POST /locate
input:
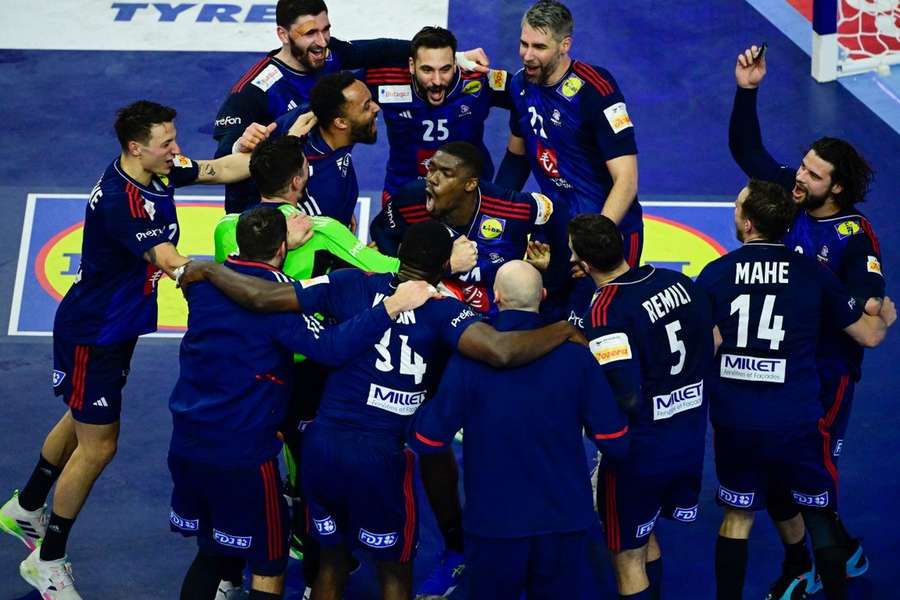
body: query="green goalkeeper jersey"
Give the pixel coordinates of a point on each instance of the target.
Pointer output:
(332, 246)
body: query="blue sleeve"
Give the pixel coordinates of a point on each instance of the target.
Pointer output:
(454, 318)
(514, 123)
(498, 82)
(436, 422)
(615, 348)
(607, 118)
(184, 171)
(514, 170)
(746, 145)
(364, 54)
(389, 225)
(603, 420)
(325, 294)
(335, 345)
(249, 105)
(553, 229)
(130, 224)
(840, 309)
(861, 268)
(286, 121)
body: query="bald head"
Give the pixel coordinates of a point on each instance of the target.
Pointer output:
(518, 286)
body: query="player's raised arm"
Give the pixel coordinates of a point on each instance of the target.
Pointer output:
(514, 169)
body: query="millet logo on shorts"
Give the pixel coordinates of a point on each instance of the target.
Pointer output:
(232, 541)
(377, 540)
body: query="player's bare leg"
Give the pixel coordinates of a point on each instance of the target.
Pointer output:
(653, 566)
(395, 579)
(268, 584)
(96, 447)
(631, 575)
(731, 553)
(61, 441)
(334, 568)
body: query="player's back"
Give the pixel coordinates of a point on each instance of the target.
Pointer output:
(661, 319)
(769, 304)
(380, 390)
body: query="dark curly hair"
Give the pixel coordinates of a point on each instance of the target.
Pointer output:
(849, 169)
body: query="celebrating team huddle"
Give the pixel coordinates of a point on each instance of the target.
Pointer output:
(522, 319)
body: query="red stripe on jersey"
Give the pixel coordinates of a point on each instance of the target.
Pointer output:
(613, 541)
(273, 512)
(598, 312)
(251, 263)
(409, 501)
(133, 200)
(867, 227)
(502, 213)
(387, 81)
(593, 77)
(253, 72)
(611, 436)
(523, 211)
(831, 415)
(826, 451)
(429, 441)
(470, 74)
(387, 70)
(76, 400)
(633, 245)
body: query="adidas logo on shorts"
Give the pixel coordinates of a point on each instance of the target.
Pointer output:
(101, 402)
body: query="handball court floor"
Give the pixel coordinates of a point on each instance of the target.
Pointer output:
(674, 61)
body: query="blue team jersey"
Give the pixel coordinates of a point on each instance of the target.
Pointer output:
(230, 416)
(770, 305)
(651, 330)
(270, 88)
(332, 189)
(416, 129)
(500, 226)
(382, 389)
(114, 296)
(847, 245)
(570, 130)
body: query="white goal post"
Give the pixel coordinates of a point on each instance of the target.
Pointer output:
(854, 36)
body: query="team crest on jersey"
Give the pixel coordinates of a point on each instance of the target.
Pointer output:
(473, 88)
(491, 227)
(556, 117)
(497, 80)
(58, 377)
(570, 86)
(846, 229)
(873, 265)
(267, 78)
(544, 208)
(617, 117)
(464, 110)
(150, 208)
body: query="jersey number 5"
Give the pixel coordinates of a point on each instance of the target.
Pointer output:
(676, 345)
(411, 363)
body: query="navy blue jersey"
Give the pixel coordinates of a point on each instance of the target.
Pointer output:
(114, 296)
(270, 88)
(847, 245)
(846, 242)
(770, 304)
(651, 330)
(382, 388)
(416, 129)
(570, 130)
(231, 415)
(332, 189)
(523, 436)
(500, 226)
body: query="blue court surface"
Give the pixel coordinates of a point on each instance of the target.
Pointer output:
(72, 64)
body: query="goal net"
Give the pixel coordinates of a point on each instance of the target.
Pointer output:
(853, 36)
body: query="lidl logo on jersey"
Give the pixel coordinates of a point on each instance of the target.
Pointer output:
(610, 348)
(751, 368)
(676, 401)
(491, 227)
(570, 86)
(398, 402)
(472, 88)
(233, 541)
(846, 229)
(377, 540)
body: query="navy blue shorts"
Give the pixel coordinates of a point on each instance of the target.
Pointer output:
(837, 398)
(630, 503)
(359, 492)
(90, 378)
(232, 511)
(751, 463)
(543, 566)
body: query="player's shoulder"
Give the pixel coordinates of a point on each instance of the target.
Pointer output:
(586, 78)
(501, 202)
(260, 77)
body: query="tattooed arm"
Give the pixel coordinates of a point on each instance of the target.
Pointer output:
(228, 169)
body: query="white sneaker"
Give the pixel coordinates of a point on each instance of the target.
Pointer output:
(27, 525)
(228, 591)
(52, 578)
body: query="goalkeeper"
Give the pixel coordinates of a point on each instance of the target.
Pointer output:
(317, 245)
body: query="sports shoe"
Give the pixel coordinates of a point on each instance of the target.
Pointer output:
(794, 586)
(441, 582)
(228, 591)
(27, 525)
(52, 578)
(858, 563)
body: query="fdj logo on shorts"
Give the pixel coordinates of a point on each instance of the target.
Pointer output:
(647, 528)
(686, 515)
(817, 501)
(736, 499)
(182, 523)
(325, 526)
(377, 540)
(232, 541)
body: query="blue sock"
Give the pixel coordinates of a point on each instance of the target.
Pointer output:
(654, 574)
